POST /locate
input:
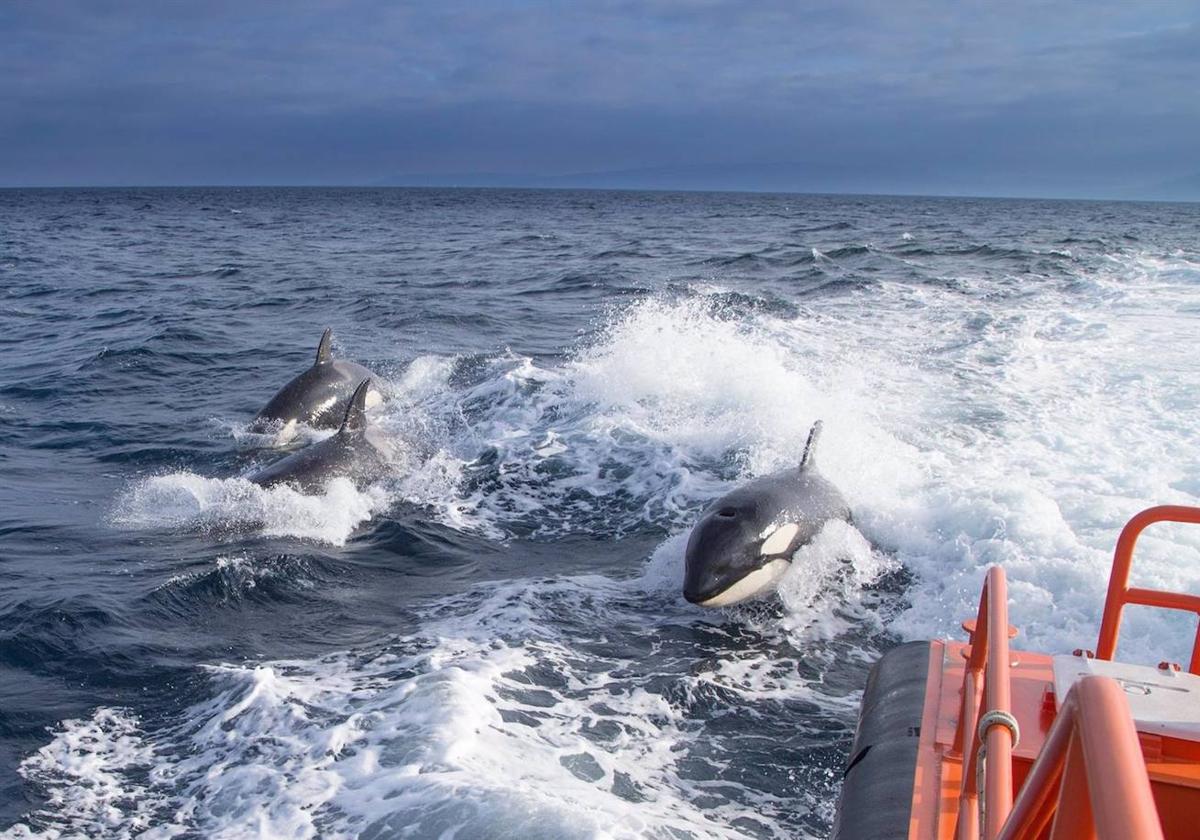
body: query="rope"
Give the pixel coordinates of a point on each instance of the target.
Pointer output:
(998, 718)
(995, 717)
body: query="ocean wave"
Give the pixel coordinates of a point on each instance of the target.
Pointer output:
(232, 506)
(236, 579)
(516, 693)
(1007, 384)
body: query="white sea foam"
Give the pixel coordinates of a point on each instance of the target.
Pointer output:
(93, 772)
(1023, 433)
(964, 432)
(186, 500)
(1022, 428)
(646, 425)
(822, 590)
(552, 731)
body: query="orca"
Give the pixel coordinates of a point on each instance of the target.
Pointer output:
(358, 452)
(317, 397)
(744, 541)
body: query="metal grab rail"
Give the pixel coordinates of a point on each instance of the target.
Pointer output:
(987, 673)
(1120, 594)
(1093, 756)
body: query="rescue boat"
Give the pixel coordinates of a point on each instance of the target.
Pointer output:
(973, 739)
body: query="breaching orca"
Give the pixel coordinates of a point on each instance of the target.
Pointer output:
(318, 396)
(357, 452)
(744, 541)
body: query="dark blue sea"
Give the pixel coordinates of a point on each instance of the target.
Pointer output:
(492, 642)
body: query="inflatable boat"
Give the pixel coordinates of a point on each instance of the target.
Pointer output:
(973, 739)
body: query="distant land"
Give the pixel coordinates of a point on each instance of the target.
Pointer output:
(798, 178)
(815, 179)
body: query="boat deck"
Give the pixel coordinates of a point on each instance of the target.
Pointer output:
(1172, 763)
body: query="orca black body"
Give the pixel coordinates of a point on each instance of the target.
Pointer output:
(317, 397)
(357, 452)
(744, 541)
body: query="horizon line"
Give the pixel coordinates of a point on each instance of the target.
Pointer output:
(593, 188)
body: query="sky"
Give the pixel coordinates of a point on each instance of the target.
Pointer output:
(1072, 98)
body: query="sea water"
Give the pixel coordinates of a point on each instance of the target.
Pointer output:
(491, 642)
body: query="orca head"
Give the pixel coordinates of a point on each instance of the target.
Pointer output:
(724, 561)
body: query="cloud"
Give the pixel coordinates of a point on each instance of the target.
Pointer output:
(351, 91)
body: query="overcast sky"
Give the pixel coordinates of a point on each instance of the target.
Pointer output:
(962, 96)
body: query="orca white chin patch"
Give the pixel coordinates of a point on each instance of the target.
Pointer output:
(755, 583)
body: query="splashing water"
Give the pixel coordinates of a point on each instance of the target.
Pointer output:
(491, 641)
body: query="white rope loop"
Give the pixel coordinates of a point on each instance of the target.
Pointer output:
(986, 722)
(999, 718)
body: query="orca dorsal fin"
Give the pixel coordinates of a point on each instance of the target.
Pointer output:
(356, 411)
(809, 458)
(324, 349)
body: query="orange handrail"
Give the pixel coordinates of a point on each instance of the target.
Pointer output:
(1120, 594)
(987, 672)
(1093, 756)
